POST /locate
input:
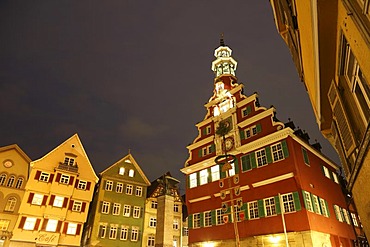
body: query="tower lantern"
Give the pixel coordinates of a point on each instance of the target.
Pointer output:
(224, 63)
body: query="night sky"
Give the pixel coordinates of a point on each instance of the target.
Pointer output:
(135, 75)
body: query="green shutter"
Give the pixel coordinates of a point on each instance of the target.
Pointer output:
(236, 165)
(188, 180)
(198, 179)
(315, 209)
(304, 199)
(277, 204)
(213, 217)
(190, 221)
(213, 148)
(297, 203)
(336, 213)
(268, 154)
(204, 132)
(285, 149)
(209, 176)
(200, 152)
(327, 208)
(242, 135)
(249, 110)
(246, 215)
(246, 163)
(222, 174)
(261, 209)
(259, 128)
(201, 219)
(305, 156)
(253, 160)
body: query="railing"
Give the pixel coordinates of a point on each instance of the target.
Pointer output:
(65, 167)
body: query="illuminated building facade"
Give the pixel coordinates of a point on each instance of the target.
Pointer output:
(277, 188)
(14, 171)
(116, 217)
(330, 45)
(57, 198)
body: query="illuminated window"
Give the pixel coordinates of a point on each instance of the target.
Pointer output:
(29, 224)
(10, 181)
(126, 210)
(154, 204)
(119, 187)
(139, 191)
(253, 210)
(72, 229)
(307, 198)
(4, 224)
(113, 232)
(81, 185)
(124, 233)
(196, 220)
(77, 206)
(326, 172)
(116, 208)
(64, 179)
(134, 234)
(109, 185)
(338, 213)
(10, 204)
(37, 199)
(2, 178)
(354, 219)
(207, 218)
(288, 202)
(175, 225)
(151, 241)
(51, 226)
(105, 207)
(19, 183)
(102, 231)
(335, 177)
(121, 171)
(270, 207)
(219, 220)
(346, 216)
(203, 177)
(131, 173)
(193, 180)
(44, 177)
(261, 157)
(152, 222)
(215, 173)
(129, 189)
(277, 152)
(136, 212)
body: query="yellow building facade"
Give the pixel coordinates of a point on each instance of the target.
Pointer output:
(14, 171)
(330, 45)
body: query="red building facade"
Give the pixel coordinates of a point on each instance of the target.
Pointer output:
(279, 189)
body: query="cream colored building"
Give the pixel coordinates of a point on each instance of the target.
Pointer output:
(330, 46)
(14, 171)
(57, 198)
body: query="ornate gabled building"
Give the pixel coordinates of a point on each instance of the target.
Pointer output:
(116, 217)
(255, 181)
(330, 45)
(57, 198)
(163, 224)
(14, 172)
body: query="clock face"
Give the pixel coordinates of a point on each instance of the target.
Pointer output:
(228, 144)
(8, 164)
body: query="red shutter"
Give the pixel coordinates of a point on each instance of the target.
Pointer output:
(70, 204)
(43, 227)
(21, 223)
(65, 203)
(78, 231)
(51, 202)
(58, 177)
(37, 224)
(83, 207)
(65, 227)
(59, 226)
(76, 184)
(30, 197)
(71, 180)
(44, 200)
(51, 178)
(88, 185)
(37, 176)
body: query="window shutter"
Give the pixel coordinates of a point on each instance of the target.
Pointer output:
(65, 227)
(222, 174)
(37, 176)
(297, 203)
(65, 202)
(88, 185)
(70, 204)
(190, 221)
(76, 184)
(78, 230)
(59, 226)
(43, 227)
(51, 178)
(268, 154)
(236, 165)
(259, 128)
(188, 180)
(37, 225)
(200, 153)
(245, 209)
(58, 177)
(201, 219)
(198, 179)
(44, 199)
(203, 132)
(277, 204)
(51, 201)
(242, 135)
(305, 156)
(30, 197)
(315, 209)
(213, 148)
(209, 176)
(253, 160)
(213, 217)
(261, 209)
(22, 221)
(304, 199)
(249, 109)
(71, 180)
(285, 149)
(327, 208)
(83, 207)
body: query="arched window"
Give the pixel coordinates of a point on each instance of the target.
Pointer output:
(19, 183)
(121, 171)
(131, 173)
(2, 179)
(10, 204)
(10, 181)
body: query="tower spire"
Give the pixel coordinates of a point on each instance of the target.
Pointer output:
(222, 42)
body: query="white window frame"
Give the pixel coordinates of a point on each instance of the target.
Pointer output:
(72, 228)
(105, 207)
(219, 219)
(4, 224)
(119, 187)
(277, 152)
(136, 212)
(139, 191)
(203, 177)
(44, 177)
(323, 208)
(193, 180)
(315, 201)
(207, 219)
(153, 222)
(151, 241)
(121, 171)
(126, 210)
(116, 209)
(51, 226)
(154, 204)
(196, 220)
(64, 179)
(253, 210)
(30, 223)
(102, 230)
(288, 203)
(82, 185)
(124, 233)
(326, 172)
(77, 206)
(58, 201)
(215, 173)
(129, 189)
(176, 208)
(10, 204)
(354, 219)
(335, 177)
(307, 198)
(261, 157)
(270, 206)
(108, 185)
(134, 234)
(113, 232)
(175, 225)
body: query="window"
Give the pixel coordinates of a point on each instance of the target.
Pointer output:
(124, 233)
(215, 173)
(207, 150)
(19, 183)
(152, 222)
(193, 180)
(51, 226)
(232, 170)
(254, 130)
(246, 162)
(176, 224)
(247, 133)
(207, 218)
(288, 202)
(64, 179)
(277, 152)
(354, 220)
(246, 111)
(307, 198)
(219, 220)
(196, 220)
(10, 204)
(136, 212)
(77, 205)
(72, 229)
(119, 187)
(102, 231)
(37, 199)
(81, 185)
(69, 161)
(154, 204)
(270, 207)
(335, 177)
(113, 232)
(29, 224)
(305, 156)
(346, 216)
(131, 173)
(105, 207)
(129, 189)
(261, 157)
(176, 208)
(253, 210)
(121, 171)
(208, 130)
(338, 213)
(10, 181)
(139, 191)
(4, 224)
(326, 172)
(116, 209)
(237, 211)
(185, 231)
(151, 241)
(109, 185)
(44, 177)
(203, 177)
(134, 234)
(2, 179)
(323, 207)
(316, 204)
(126, 210)
(58, 201)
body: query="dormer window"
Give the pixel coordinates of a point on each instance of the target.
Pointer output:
(69, 161)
